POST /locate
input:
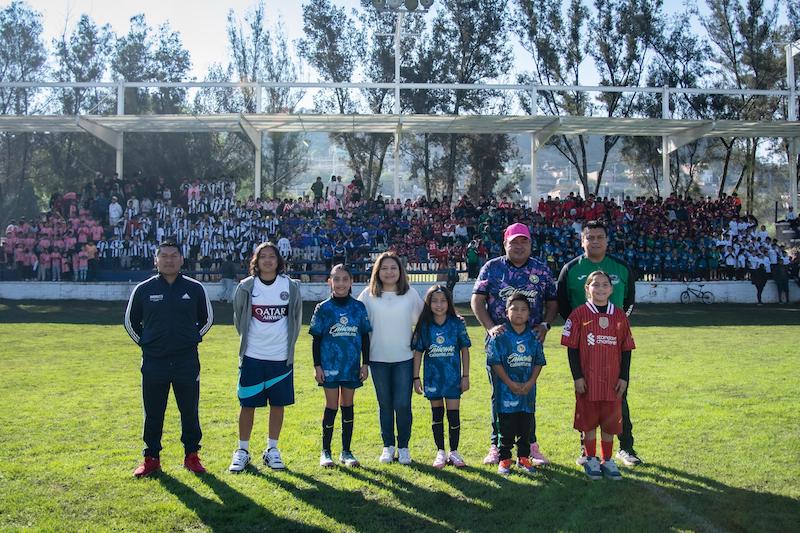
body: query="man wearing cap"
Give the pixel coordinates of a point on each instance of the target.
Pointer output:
(498, 279)
(571, 294)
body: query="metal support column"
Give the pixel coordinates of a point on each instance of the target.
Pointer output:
(120, 149)
(666, 187)
(397, 60)
(534, 152)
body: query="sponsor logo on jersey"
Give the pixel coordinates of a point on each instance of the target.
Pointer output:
(269, 313)
(510, 403)
(608, 340)
(430, 390)
(507, 291)
(515, 360)
(439, 350)
(583, 277)
(186, 296)
(567, 331)
(331, 373)
(341, 329)
(156, 297)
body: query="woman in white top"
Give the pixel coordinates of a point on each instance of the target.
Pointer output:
(393, 308)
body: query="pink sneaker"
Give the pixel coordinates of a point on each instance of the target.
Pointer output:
(441, 460)
(456, 460)
(493, 457)
(536, 456)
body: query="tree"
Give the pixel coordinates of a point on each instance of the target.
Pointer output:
(335, 45)
(618, 36)
(22, 58)
(82, 56)
(743, 37)
(259, 54)
(472, 38)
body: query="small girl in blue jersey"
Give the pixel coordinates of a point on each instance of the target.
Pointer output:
(340, 328)
(441, 337)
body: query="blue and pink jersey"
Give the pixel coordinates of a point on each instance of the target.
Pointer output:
(499, 279)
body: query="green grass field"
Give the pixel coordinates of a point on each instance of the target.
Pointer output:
(713, 395)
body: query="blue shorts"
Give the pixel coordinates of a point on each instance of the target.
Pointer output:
(262, 382)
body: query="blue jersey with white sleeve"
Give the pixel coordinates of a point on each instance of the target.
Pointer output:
(441, 348)
(341, 328)
(518, 353)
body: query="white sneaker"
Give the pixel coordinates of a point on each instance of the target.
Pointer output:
(456, 460)
(240, 460)
(272, 458)
(387, 455)
(441, 459)
(325, 459)
(404, 456)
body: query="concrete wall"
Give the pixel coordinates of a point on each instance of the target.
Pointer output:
(646, 292)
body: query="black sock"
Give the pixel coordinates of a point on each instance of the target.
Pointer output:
(327, 428)
(347, 427)
(438, 427)
(454, 421)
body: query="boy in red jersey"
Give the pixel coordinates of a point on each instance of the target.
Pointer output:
(599, 342)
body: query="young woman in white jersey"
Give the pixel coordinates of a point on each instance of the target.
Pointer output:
(267, 312)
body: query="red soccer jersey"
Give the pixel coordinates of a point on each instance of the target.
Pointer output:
(601, 338)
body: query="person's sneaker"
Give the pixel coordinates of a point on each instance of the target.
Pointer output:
(441, 459)
(387, 455)
(456, 460)
(241, 458)
(404, 456)
(581, 460)
(325, 459)
(348, 459)
(526, 465)
(272, 458)
(493, 457)
(629, 457)
(537, 457)
(610, 470)
(192, 463)
(504, 466)
(592, 468)
(149, 466)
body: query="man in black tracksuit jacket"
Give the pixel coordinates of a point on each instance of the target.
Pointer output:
(167, 316)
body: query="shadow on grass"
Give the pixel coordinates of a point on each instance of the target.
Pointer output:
(702, 498)
(237, 512)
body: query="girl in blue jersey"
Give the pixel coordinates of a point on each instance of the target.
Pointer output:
(441, 337)
(340, 328)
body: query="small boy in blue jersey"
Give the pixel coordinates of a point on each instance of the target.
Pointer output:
(516, 359)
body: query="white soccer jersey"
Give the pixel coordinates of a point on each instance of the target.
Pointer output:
(268, 335)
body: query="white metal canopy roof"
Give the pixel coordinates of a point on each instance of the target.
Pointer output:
(474, 124)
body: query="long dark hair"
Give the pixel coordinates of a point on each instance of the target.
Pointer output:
(426, 316)
(254, 271)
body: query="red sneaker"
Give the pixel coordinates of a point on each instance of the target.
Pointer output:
(192, 463)
(148, 466)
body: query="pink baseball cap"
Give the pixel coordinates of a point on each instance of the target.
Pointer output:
(516, 230)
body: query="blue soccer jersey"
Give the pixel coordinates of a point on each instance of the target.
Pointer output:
(441, 348)
(341, 328)
(518, 354)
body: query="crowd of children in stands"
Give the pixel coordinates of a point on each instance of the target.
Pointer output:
(115, 224)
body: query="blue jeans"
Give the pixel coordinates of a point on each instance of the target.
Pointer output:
(393, 383)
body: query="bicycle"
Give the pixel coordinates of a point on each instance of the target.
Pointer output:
(706, 297)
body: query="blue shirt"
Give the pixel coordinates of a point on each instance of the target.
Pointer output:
(341, 328)
(518, 353)
(441, 348)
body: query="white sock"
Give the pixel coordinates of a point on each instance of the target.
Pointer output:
(244, 445)
(272, 443)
